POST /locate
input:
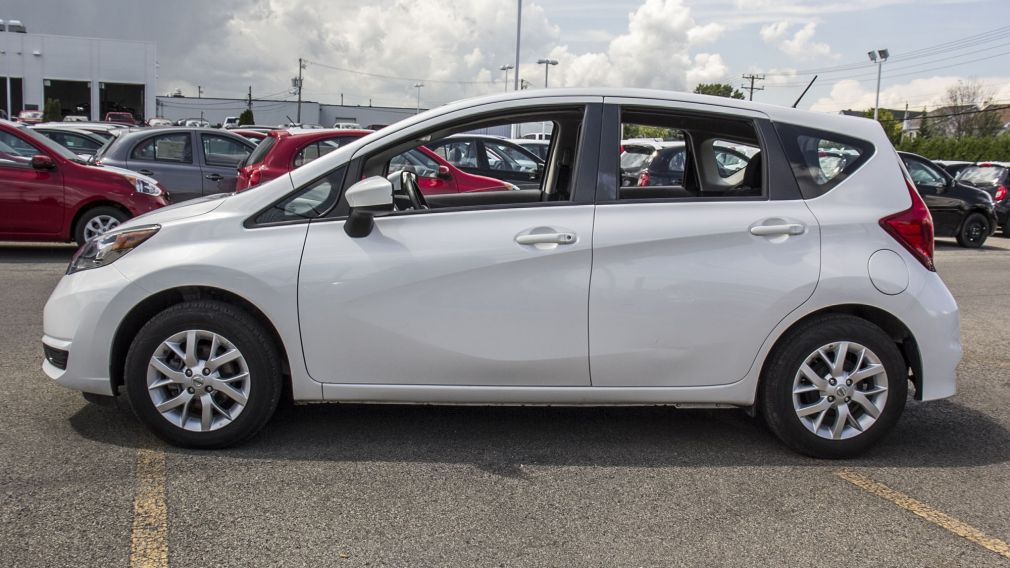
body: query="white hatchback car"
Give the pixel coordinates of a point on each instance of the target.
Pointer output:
(801, 290)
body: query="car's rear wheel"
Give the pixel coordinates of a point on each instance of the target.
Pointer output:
(974, 231)
(834, 386)
(203, 374)
(1006, 229)
(97, 221)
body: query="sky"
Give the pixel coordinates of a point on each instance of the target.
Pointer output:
(378, 50)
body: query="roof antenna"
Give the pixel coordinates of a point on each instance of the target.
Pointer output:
(810, 84)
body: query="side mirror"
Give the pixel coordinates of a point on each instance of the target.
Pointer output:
(367, 198)
(443, 173)
(43, 162)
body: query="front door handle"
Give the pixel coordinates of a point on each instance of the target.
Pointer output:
(214, 177)
(145, 172)
(776, 230)
(546, 239)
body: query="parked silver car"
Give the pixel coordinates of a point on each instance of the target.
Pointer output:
(167, 155)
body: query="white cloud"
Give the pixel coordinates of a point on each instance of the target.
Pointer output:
(918, 93)
(800, 45)
(705, 34)
(707, 68)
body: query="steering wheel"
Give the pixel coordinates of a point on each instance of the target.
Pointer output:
(408, 182)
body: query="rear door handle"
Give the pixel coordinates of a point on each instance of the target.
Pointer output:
(145, 172)
(214, 177)
(776, 230)
(546, 239)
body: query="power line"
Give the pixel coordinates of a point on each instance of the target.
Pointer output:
(752, 77)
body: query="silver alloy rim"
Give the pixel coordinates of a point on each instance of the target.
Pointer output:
(198, 380)
(840, 390)
(99, 225)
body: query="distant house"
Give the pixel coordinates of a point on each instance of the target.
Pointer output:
(910, 119)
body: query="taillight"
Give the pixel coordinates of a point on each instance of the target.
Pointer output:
(254, 176)
(1000, 193)
(643, 178)
(913, 228)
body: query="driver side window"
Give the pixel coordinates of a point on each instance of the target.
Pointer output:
(924, 175)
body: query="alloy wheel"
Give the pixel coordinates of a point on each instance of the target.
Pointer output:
(840, 390)
(98, 225)
(198, 380)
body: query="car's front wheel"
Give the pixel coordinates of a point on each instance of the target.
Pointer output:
(97, 221)
(203, 374)
(974, 231)
(834, 386)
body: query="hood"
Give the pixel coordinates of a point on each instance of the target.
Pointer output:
(191, 208)
(127, 173)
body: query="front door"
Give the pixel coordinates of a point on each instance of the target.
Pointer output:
(31, 201)
(449, 299)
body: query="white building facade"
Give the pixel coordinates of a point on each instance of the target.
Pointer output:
(88, 76)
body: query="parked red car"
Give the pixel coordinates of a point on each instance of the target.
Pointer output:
(47, 193)
(282, 151)
(121, 117)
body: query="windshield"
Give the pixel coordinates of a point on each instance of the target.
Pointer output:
(51, 145)
(981, 175)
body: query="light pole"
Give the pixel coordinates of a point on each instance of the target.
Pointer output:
(878, 56)
(547, 67)
(506, 68)
(418, 86)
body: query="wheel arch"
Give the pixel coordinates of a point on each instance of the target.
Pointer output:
(141, 313)
(889, 323)
(71, 228)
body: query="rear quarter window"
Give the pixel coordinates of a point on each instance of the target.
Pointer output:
(821, 160)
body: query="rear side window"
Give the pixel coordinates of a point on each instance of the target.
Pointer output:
(166, 148)
(319, 149)
(261, 151)
(821, 160)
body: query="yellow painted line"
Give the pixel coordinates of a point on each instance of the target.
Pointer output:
(149, 540)
(923, 510)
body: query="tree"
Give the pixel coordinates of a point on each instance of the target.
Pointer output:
(53, 111)
(718, 90)
(891, 125)
(926, 125)
(246, 117)
(642, 131)
(965, 104)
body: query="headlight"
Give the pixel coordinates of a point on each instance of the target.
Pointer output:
(105, 249)
(145, 187)
(511, 186)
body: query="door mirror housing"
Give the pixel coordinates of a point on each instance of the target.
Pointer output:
(443, 173)
(367, 198)
(43, 162)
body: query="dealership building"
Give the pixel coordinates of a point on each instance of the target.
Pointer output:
(88, 76)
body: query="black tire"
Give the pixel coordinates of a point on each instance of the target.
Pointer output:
(245, 333)
(94, 213)
(1006, 229)
(974, 230)
(783, 365)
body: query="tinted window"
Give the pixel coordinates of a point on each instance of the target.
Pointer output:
(74, 142)
(460, 153)
(261, 150)
(311, 202)
(981, 175)
(923, 174)
(15, 151)
(167, 148)
(223, 151)
(414, 161)
(516, 158)
(821, 160)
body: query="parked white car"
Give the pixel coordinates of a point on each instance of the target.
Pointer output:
(805, 295)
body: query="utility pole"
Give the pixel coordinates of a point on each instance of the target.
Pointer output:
(752, 77)
(248, 103)
(878, 56)
(547, 67)
(417, 86)
(519, 28)
(301, 65)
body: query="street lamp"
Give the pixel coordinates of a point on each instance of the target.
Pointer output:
(506, 69)
(418, 86)
(878, 56)
(547, 67)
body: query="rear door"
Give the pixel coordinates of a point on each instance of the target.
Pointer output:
(945, 208)
(168, 158)
(688, 280)
(220, 157)
(31, 201)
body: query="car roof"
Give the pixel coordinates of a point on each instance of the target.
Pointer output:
(302, 134)
(522, 141)
(80, 131)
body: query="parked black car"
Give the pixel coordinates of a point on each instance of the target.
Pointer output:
(493, 157)
(953, 167)
(994, 179)
(189, 162)
(959, 210)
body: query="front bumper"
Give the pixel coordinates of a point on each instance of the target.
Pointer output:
(81, 318)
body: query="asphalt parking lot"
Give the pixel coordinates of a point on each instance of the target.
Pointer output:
(328, 485)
